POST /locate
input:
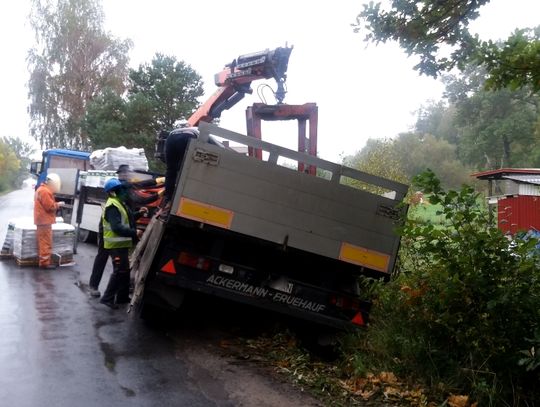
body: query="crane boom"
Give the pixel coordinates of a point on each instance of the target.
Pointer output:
(234, 81)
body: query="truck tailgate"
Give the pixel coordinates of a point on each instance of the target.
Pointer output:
(223, 188)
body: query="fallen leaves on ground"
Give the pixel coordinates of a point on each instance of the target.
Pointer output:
(387, 385)
(460, 401)
(329, 380)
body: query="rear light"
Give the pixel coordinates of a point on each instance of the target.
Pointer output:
(345, 303)
(191, 260)
(349, 304)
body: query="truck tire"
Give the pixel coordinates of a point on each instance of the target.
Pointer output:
(157, 310)
(322, 342)
(149, 312)
(87, 236)
(156, 316)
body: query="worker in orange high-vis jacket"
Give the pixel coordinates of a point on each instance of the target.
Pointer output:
(45, 208)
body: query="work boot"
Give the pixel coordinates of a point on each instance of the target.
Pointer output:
(94, 292)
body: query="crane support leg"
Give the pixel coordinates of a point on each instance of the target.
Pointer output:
(302, 113)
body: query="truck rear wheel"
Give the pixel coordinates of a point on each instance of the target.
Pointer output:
(162, 308)
(149, 312)
(322, 342)
(87, 236)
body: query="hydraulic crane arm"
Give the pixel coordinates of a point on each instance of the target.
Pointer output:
(235, 81)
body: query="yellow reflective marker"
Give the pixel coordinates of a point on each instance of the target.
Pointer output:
(205, 213)
(364, 257)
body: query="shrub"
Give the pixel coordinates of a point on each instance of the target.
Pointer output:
(463, 315)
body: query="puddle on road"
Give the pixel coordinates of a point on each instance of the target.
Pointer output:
(109, 356)
(53, 329)
(128, 392)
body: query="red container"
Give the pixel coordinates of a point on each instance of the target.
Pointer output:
(518, 213)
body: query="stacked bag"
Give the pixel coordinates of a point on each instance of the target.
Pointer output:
(111, 158)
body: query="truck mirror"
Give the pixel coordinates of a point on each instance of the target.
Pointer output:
(35, 168)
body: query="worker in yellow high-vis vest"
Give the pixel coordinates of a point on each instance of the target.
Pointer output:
(119, 236)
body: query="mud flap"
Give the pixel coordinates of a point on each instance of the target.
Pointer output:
(142, 257)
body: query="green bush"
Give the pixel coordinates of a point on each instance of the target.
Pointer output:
(463, 315)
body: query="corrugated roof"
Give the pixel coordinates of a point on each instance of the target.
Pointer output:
(526, 179)
(501, 172)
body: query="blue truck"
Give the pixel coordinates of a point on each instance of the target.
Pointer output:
(67, 164)
(83, 198)
(59, 159)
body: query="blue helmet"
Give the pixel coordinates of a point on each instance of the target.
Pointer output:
(112, 184)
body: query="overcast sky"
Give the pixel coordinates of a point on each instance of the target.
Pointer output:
(362, 90)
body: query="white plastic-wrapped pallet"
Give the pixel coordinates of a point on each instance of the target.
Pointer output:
(7, 247)
(25, 242)
(96, 178)
(111, 158)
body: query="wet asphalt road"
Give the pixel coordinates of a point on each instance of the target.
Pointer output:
(58, 347)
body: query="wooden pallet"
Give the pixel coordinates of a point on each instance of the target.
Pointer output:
(5, 256)
(6, 252)
(34, 262)
(26, 262)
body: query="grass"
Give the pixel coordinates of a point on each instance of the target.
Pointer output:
(427, 212)
(335, 383)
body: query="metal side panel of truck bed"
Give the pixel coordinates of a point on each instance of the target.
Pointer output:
(258, 198)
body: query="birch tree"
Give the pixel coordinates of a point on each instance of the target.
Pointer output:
(72, 61)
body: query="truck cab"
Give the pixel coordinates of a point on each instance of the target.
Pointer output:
(67, 164)
(59, 158)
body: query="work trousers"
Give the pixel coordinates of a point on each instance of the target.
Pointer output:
(100, 261)
(44, 243)
(118, 288)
